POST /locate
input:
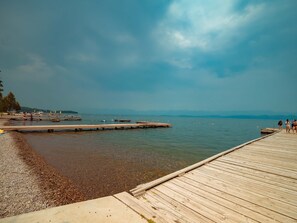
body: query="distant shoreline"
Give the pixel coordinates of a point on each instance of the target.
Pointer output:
(55, 189)
(28, 109)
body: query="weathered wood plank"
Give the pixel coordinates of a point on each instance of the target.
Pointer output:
(231, 205)
(278, 193)
(291, 155)
(164, 209)
(246, 194)
(277, 145)
(249, 204)
(261, 166)
(229, 214)
(285, 182)
(267, 160)
(268, 149)
(195, 205)
(140, 208)
(178, 207)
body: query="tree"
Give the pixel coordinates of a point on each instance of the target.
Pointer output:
(1, 89)
(1, 97)
(17, 107)
(9, 103)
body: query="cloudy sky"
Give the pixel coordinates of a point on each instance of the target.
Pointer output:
(214, 55)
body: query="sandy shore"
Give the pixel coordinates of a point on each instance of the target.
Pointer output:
(27, 182)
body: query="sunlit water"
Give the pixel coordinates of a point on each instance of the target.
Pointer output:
(101, 163)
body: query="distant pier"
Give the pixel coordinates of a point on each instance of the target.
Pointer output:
(76, 128)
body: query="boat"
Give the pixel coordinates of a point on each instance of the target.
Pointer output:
(55, 120)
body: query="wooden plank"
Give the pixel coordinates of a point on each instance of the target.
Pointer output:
(276, 144)
(230, 215)
(178, 207)
(270, 190)
(264, 151)
(288, 141)
(232, 205)
(252, 168)
(267, 150)
(193, 204)
(291, 145)
(248, 204)
(269, 156)
(166, 210)
(247, 195)
(260, 166)
(280, 181)
(281, 139)
(277, 147)
(140, 207)
(265, 160)
(272, 155)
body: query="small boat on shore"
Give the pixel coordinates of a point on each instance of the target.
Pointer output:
(55, 120)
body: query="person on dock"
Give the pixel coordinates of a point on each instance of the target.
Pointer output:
(295, 126)
(288, 127)
(280, 124)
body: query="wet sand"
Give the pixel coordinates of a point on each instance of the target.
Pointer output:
(28, 183)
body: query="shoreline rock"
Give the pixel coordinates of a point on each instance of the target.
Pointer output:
(27, 182)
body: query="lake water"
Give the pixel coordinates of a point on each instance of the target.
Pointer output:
(101, 163)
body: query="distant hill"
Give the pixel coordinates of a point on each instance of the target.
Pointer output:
(28, 109)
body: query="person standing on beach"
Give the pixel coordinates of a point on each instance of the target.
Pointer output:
(280, 124)
(287, 125)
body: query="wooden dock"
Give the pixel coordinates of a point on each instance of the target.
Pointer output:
(253, 182)
(51, 128)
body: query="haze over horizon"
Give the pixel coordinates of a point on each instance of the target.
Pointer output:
(180, 55)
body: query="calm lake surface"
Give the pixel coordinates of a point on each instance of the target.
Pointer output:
(101, 163)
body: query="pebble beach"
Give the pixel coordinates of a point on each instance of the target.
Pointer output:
(27, 182)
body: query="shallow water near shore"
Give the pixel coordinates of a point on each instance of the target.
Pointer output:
(101, 163)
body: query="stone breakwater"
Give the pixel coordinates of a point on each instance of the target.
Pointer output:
(27, 182)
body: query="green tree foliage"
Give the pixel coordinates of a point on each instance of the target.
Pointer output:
(1, 97)
(1, 89)
(9, 103)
